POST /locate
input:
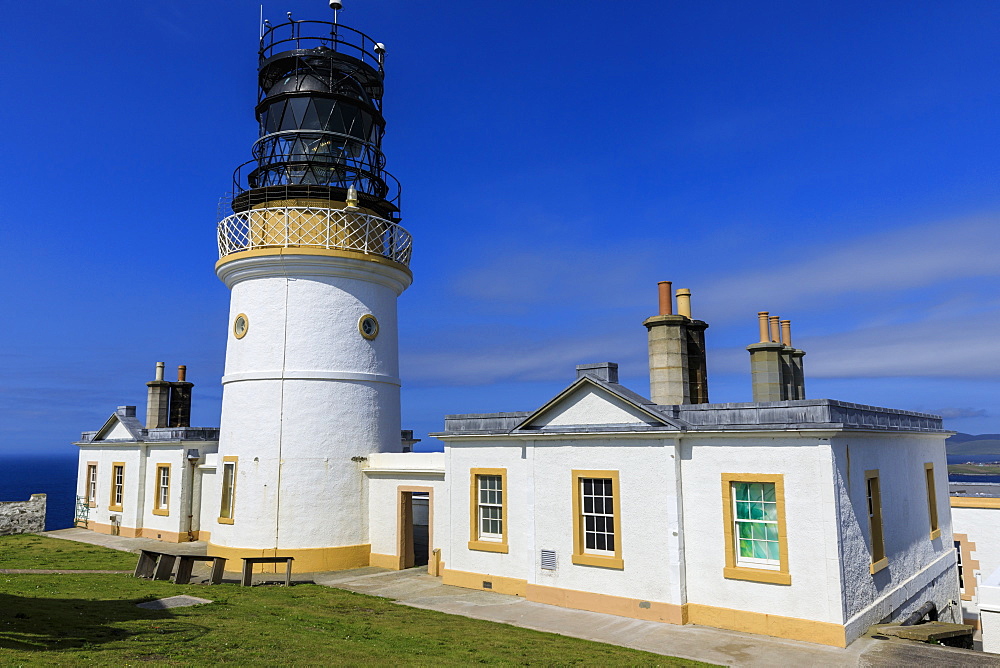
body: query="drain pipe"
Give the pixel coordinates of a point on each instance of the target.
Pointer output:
(928, 609)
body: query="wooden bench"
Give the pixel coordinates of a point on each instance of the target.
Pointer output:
(249, 562)
(186, 564)
(156, 565)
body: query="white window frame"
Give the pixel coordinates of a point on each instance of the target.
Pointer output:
(755, 562)
(605, 516)
(490, 507)
(91, 484)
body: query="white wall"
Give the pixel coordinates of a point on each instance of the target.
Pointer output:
(919, 569)
(982, 526)
(810, 522)
(540, 515)
(133, 456)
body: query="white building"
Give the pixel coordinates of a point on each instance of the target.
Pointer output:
(805, 519)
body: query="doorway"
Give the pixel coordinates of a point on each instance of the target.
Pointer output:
(415, 514)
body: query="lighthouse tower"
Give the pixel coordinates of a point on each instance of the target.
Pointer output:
(312, 251)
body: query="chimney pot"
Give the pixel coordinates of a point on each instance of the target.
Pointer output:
(159, 371)
(775, 335)
(786, 333)
(666, 299)
(181, 373)
(606, 371)
(684, 302)
(762, 321)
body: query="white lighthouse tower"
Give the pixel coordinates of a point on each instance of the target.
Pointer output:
(315, 259)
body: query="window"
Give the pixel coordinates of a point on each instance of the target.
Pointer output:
(488, 510)
(874, 497)
(91, 483)
(753, 514)
(596, 524)
(932, 500)
(228, 490)
(161, 494)
(117, 486)
(961, 574)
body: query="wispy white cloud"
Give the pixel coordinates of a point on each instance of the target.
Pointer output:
(900, 259)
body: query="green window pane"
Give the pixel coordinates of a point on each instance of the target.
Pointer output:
(756, 511)
(742, 510)
(742, 491)
(746, 548)
(770, 511)
(756, 492)
(758, 531)
(772, 550)
(758, 550)
(769, 492)
(771, 532)
(746, 530)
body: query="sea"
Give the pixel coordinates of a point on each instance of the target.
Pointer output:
(55, 475)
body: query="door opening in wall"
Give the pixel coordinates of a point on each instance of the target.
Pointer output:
(414, 534)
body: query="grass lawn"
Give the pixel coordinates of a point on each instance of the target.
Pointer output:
(30, 551)
(92, 620)
(974, 469)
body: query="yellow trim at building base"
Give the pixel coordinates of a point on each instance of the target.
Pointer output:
(651, 611)
(130, 532)
(501, 585)
(307, 560)
(390, 561)
(792, 628)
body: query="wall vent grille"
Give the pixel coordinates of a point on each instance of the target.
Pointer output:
(549, 560)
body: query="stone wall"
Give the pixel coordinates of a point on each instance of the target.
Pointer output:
(23, 516)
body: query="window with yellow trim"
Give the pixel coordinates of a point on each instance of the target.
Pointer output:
(228, 490)
(161, 504)
(91, 484)
(117, 486)
(488, 510)
(931, 501)
(596, 519)
(753, 510)
(873, 495)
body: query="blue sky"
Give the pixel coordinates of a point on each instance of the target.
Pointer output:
(833, 163)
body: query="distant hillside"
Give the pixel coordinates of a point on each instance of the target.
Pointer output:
(974, 444)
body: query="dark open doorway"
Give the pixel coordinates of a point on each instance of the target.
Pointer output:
(414, 534)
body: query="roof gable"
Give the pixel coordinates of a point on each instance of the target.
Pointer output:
(589, 402)
(119, 427)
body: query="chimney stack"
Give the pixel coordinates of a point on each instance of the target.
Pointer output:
(677, 365)
(157, 400)
(775, 366)
(180, 399)
(168, 403)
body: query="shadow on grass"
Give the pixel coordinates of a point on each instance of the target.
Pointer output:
(40, 624)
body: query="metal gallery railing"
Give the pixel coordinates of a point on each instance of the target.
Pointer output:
(314, 227)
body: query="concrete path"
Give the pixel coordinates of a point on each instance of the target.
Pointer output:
(731, 648)
(126, 544)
